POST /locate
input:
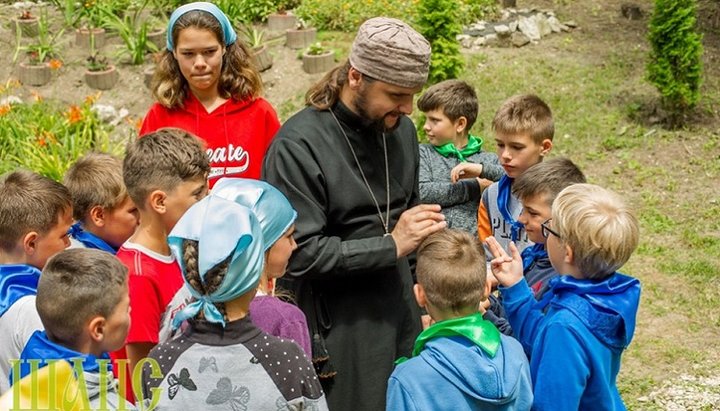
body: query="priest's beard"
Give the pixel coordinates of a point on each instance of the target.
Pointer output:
(360, 102)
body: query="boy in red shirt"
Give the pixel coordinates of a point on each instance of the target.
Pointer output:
(165, 173)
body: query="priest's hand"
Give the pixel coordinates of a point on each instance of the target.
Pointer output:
(414, 225)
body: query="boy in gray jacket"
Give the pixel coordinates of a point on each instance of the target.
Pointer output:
(450, 109)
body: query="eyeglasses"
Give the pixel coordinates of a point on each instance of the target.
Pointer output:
(546, 231)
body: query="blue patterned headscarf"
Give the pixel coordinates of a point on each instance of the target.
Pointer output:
(228, 32)
(222, 229)
(270, 206)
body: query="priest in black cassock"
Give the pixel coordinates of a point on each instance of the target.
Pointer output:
(348, 163)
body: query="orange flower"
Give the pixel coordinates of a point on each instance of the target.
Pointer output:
(55, 64)
(36, 96)
(4, 109)
(74, 114)
(91, 99)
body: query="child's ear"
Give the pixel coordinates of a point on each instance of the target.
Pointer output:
(546, 146)
(97, 215)
(487, 290)
(569, 255)
(156, 199)
(420, 295)
(96, 328)
(461, 124)
(29, 242)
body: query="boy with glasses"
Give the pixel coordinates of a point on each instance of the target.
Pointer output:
(536, 189)
(577, 332)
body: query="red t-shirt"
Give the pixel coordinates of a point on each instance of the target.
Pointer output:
(153, 280)
(237, 134)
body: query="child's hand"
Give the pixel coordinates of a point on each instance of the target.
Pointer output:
(465, 170)
(508, 269)
(484, 183)
(484, 306)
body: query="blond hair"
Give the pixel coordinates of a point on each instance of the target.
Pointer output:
(239, 77)
(29, 202)
(451, 270)
(522, 114)
(162, 160)
(598, 226)
(76, 285)
(455, 98)
(95, 180)
(547, 178)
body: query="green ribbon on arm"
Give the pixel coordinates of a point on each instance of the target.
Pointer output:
(473, 146)
(473, 327)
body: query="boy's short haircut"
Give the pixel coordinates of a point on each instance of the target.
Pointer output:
(29, 202)
(451, 270)
(547, 178)
(162, 160)
(522, 114)
(600, 228)
(95, 179)
(455, 98)
(76, 285)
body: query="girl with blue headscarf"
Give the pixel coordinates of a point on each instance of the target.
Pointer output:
(277, 222)
(206, 83)
(222, 358)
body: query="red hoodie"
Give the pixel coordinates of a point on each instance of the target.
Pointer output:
(237, 134)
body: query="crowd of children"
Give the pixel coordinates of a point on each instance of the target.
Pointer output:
(160, 292)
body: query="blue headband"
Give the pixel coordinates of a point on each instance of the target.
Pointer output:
(227, 29)
(270, 206)
(222, 229)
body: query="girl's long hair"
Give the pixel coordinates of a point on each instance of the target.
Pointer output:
(239, 77)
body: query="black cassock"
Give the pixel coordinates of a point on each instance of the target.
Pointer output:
(345, 273)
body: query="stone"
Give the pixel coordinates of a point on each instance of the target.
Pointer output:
(491, 40)
(479, 42)
(473, 32)
(571, 24)
(468, 41)
(518, 39)
(564, 28)
(10, 100)
(513, 25)
(461, 37)
(529, 27)
(502, 30)
(505, 15)
(555, 24)
(543, 25)
(631, 11)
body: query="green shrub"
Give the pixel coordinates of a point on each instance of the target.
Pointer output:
(348, 15)
(675, 65)
(438, 21)
(47, 137)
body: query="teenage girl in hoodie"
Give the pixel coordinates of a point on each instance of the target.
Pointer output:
(206, 83)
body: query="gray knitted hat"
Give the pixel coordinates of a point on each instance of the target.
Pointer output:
(391, 51)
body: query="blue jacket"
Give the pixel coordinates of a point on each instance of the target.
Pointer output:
(452, 373)
(576, 334)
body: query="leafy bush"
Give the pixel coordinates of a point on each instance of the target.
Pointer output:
(438, 21)
(47, 138)
(675, 65)
(347, 15)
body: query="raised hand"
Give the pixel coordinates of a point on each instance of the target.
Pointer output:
(508, 269)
